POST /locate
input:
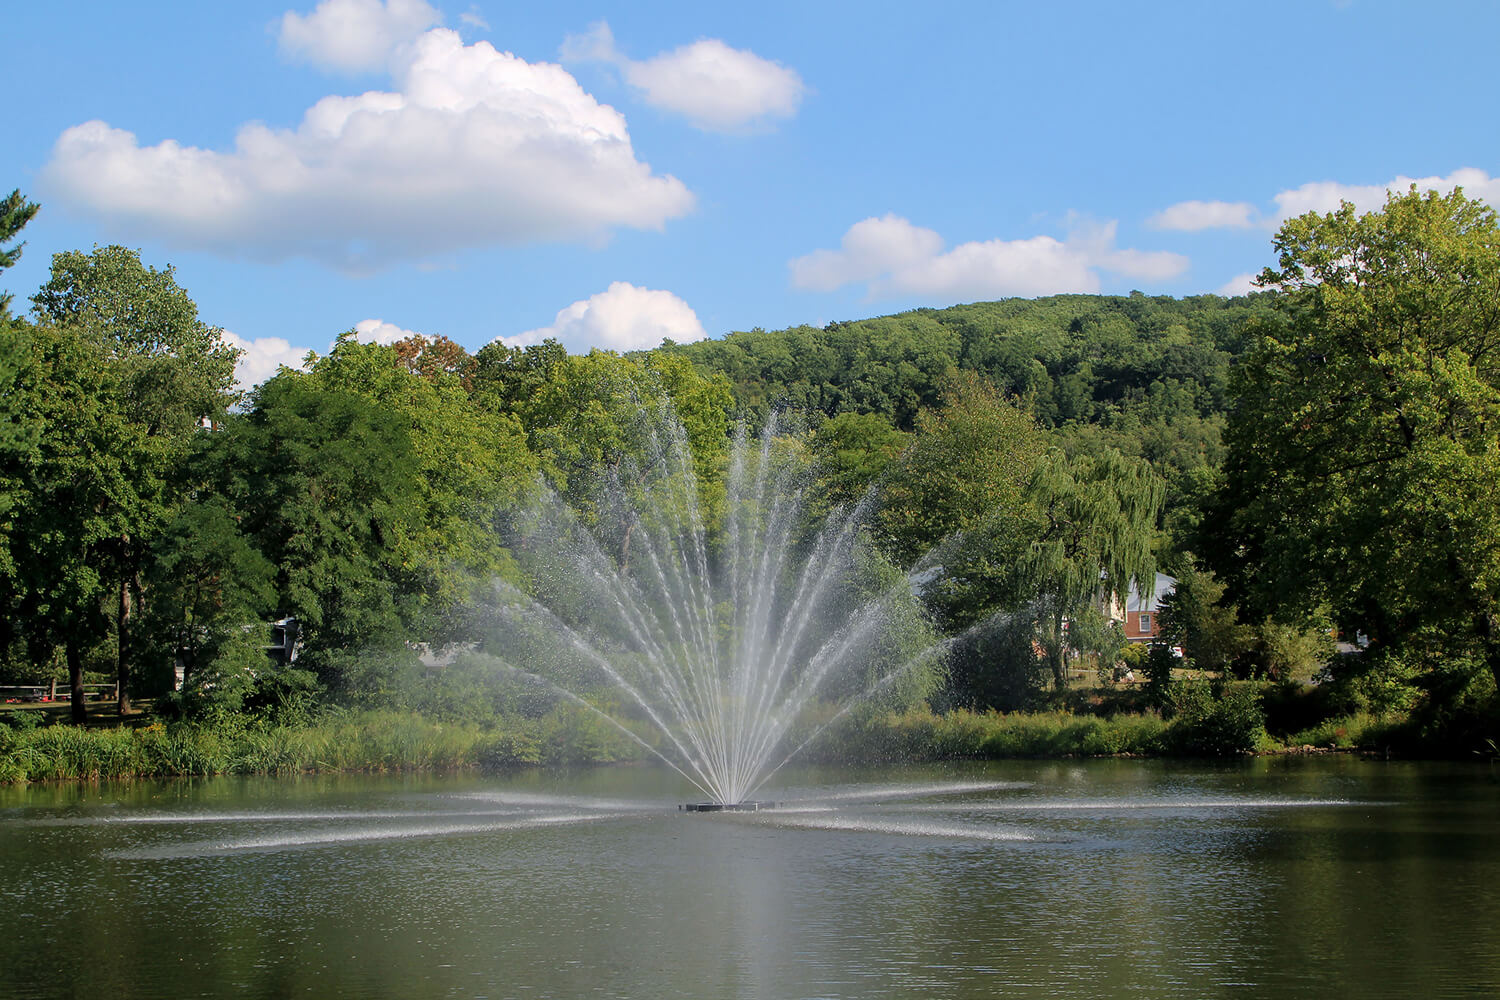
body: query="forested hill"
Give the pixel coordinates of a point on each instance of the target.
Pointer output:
(1081, 358)
(1146, 375)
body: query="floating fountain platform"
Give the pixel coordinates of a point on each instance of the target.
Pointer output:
(716, 807)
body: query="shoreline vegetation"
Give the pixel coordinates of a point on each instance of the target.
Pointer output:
(390, 741)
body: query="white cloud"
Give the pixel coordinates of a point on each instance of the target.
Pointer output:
(870, 248)
(1240, 284)
(1325, 196)
(621, 318)
(378, 331)
(354, 35)
(1319, 196)
(473, 147)
(474, 18)
(1191, 216)
(262, 357)
(714, 86)
(893, 257)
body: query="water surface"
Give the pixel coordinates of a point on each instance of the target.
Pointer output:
(1275, 877)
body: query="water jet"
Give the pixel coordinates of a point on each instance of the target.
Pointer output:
(713, 807)
(722, 625)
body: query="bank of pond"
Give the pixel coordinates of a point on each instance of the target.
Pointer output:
(36, 747)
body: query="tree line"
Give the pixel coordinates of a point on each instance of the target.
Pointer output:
(1317, 458)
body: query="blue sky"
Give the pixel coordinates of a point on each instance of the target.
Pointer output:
(612, 173)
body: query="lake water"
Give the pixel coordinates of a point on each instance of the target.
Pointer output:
(1285, 877)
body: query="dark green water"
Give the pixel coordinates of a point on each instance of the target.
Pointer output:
(1320, 877)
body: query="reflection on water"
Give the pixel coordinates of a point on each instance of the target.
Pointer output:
(1034, 879)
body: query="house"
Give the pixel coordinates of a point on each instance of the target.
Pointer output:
(1137, 612)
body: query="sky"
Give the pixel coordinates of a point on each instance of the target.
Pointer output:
(611, 174)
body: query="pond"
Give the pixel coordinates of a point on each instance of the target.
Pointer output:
(1286, 877)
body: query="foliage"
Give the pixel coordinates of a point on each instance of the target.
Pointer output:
(71, 494)
(1287, 652)
(15, 212)
(207, 581)
(1145, 376)
(1215, 721)
(470, 465)
(1363, 455)
(853, 451)
(1196, 617)
(1096, 518)
(167, 372)
(966, 472)
(327, 483)
(1161, 661)
(920, 734)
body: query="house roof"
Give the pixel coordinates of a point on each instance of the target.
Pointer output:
(1161, 587)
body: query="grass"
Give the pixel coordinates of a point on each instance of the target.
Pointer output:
(392, 741)
(370, 741)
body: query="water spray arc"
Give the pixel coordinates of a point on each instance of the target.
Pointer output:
(730, 634)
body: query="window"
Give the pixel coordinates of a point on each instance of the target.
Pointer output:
(1146, 624)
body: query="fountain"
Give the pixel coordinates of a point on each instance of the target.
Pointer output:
(722, 625)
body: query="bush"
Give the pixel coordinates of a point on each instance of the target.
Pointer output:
(1215, 723)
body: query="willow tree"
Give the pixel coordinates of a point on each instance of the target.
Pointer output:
(1364, 450)
(1094, 520)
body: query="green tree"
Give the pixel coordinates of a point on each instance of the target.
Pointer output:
(328, 483)
(15, 212)
(1095, 519)
(1196, 616)
(69, 493)
(852, 451)
(169, 372)
(966, 476)
(471, 463)
(1364, 450)
(208, 584)
(588, 413)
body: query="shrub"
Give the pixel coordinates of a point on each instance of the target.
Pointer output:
(1215, 723)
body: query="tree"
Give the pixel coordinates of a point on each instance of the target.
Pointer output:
(15, 212)
(853, 450)
(587, 413)
(169, 371)
(1196, 616)
(966, 473)
(208, 583)
(1096, 519)
(69, 491)
(328, 482)
(472, 463)
(1364, 449)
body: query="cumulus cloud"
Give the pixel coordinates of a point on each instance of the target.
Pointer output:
(262, 357)
(1240, 284)
(623, 317)
(378, 331)
(894, 257)
(1191, 216)
(1318, 196)
(714, 86)
(473, 147)
(354, 35)
(1325, 196)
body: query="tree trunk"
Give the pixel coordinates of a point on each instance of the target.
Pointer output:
(128, 601)
(80, 708)
(1057, 653)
